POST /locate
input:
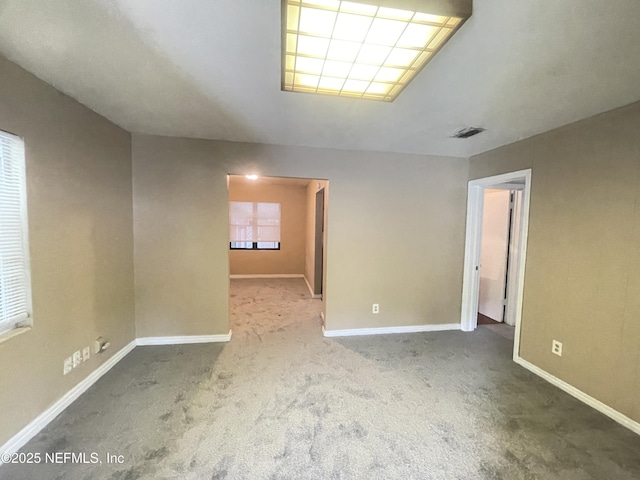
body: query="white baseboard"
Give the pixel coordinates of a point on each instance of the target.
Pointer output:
(580, 395)
(308, 286)
(42, 420)
(270, 275)
(385, 330)
(313, 295)
(183, 339)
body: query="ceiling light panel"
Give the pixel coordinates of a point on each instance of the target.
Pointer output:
(357, 50)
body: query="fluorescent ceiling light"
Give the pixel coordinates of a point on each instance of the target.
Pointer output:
(353, 49)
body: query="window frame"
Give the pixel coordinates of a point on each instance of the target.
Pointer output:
(254, 246)
(251, 245)
(9, 327)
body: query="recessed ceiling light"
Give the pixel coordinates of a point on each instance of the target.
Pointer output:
(252, 177)
(353, 49)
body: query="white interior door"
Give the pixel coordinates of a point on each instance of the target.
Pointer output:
(514, 258)
(493, 254)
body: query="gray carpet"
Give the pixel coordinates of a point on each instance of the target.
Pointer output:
(502, 329)
(282, 402)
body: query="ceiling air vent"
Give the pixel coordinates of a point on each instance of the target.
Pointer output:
(467, 132)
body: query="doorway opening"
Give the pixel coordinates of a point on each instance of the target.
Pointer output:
(495, 252)
(277, 244)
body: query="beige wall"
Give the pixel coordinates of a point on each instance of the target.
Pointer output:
(78, 168)
(395, 237)
(310, 250)
(290, 258)
(395, 232)
(582, 283)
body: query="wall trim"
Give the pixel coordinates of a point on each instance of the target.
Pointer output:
(269, 275)
(33, 428)
(580, 395)
(385, 330)
(313, 295)
(20, 439)
(180, 340)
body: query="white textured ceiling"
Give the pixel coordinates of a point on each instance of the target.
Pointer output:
(211, 69)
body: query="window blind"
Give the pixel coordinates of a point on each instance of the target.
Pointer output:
(254, 222)
(14, 262)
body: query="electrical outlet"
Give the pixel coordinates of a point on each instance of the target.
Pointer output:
(375, 308)
(556, 347)
(86, 354)
(68, 365)
(77, 358)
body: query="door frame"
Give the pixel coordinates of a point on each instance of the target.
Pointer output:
(318, 254)
(471, 276)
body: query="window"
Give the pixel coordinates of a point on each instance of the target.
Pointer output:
(15, 285)
(254, 226)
